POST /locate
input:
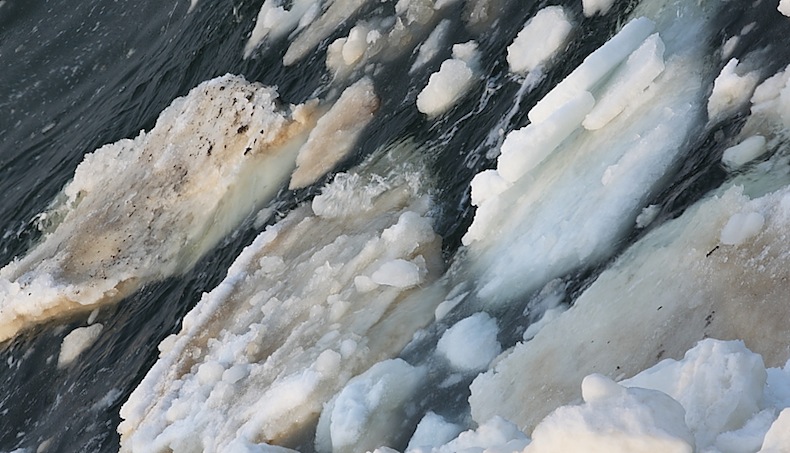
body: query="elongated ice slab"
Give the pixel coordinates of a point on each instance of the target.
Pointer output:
(259, 356)
(144, 209)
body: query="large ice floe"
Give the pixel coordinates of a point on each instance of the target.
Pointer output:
(145, 208)
(260, 356)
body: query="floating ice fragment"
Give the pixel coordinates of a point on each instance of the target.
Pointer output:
(593, 7)
(398, 273)
(77, 341)
(784, 7)
(540, 39)
(731, 91)
(744, 152)
(450, 83)
(471, 344)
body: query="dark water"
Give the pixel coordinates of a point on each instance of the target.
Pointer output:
(76, 74)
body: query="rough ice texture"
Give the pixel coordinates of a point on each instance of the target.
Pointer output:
(496, 435)
(259, 356)
(144, 209)
(335, 133)
(632, 316)
(77, 341)
(731, 91)
(540, 39)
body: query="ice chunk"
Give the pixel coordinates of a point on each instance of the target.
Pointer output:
(648, 214)
(335, 133)
(593, 7)
(777, 439)
(432, 431)
(487, 184)
(629, 81)
(719, 384)
(496, 435)
(77, 341)
(595, 67)
(144, 209)
(471, 344)
(431, 46)
(275, 21)
(614, 419)
(540, 39)
(744, 152)
(731, 91)
(399, 273)
(784, 7)
(526, 148)
(741, 226)
(450, 83)
(259, 356)
(366, 413)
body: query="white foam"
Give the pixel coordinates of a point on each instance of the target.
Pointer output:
(541, 38)
(144, 209)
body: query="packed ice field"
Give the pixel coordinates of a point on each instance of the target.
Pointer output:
(679, 345)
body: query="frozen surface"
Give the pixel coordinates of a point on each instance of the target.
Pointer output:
(541, 38)
(259, 356)
(143, 209)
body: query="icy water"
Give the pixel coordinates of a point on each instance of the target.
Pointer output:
(80, 74)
